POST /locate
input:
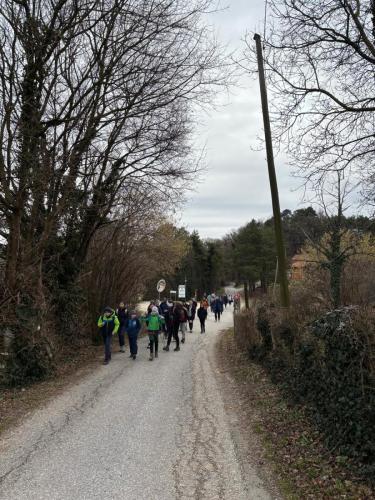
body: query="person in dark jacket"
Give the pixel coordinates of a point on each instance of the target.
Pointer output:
(202, 315)
(225, 300)
(133, 327)
(164, 310)
(217, 308)
(191, 311)
(123, 315)
(176, 317)
(108, 324)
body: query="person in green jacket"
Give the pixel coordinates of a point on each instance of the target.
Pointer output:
(108, 324)
(154, 324)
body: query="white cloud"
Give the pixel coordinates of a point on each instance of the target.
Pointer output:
(235, 188)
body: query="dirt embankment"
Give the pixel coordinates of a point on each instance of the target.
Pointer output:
(277, 436)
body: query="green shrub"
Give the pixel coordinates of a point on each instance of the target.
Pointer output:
(327, 365)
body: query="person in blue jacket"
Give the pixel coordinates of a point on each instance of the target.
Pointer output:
(217, 308)
(133, 327)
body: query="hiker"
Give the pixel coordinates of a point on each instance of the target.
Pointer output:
(133, 327)
(109, 325)
(225, 300)
(204, 303)
(202, 315)
(212, 302)
(154, 324)
(164, 309)
(150, 306)
(210, 297)
(175, 319)
(183, 322)
(122, 314)
(217, 308)
(191, 309)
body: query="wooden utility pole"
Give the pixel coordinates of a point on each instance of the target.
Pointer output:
(246, 290)
(284, 289)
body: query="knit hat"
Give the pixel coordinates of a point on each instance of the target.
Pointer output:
(155, 309)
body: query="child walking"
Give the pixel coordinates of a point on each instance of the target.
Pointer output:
(154, 325)
(108, 324)
(133, 327)
(202, 315)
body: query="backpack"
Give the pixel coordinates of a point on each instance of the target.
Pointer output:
(181, 315)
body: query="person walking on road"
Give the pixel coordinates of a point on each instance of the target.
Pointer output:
(122, 314)
(202, 315)
(204, 303)
(183, 323)
(133, 327)
(154, 325)
(108, 324)
(175, 320)
(217, 308)
(191, 311)
(164, 309)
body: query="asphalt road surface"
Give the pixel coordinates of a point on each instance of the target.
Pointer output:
(133, 430)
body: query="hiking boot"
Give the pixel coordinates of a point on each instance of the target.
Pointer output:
(156, 355)
(105, 362)
(151, 358)
(134, 356)
(166, 348)
(183, 340)
(177, 349)
(131, 355)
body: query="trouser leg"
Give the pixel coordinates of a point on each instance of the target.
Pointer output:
(133, 344)
(156, 342)
(121, 336)
(152, 340)
(107, 339)
(175, 334)
(170, 335)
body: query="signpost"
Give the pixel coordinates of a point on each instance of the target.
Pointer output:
(160, 287)
(182, 291)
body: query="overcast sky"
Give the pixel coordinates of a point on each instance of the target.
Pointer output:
(235, 188)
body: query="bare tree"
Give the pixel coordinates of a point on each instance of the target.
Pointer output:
(321, 64)
(93, 93)
(96, 96)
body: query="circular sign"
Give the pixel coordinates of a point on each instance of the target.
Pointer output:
(160, 287)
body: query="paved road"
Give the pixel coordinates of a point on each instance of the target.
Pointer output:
(132, 430)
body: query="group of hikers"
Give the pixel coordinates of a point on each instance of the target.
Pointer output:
(163, 317)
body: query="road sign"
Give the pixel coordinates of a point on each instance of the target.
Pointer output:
(182, 291)
(160, 287)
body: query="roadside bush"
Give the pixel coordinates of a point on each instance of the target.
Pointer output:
(245, 330)
(326, 361)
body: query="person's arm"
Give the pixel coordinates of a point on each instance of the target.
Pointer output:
(117, 325)
(100, 321)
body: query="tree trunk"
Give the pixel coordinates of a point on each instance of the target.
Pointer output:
(13, 251)
(246, 289)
